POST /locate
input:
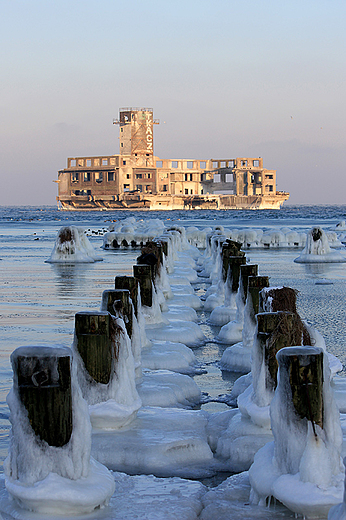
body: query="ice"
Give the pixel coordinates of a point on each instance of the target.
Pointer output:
(317, 248)
(136, 497)
(72, 246)
(176, 390)
(168, 355)
(161, 441)
(186, 332)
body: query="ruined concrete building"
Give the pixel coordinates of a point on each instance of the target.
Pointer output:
(136, 178)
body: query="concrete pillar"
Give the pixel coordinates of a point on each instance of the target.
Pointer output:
(94, 343)
(43, 379)
(143, 273)
(304, 366)
(276, 330)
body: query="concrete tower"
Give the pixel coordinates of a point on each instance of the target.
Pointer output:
(136, 135)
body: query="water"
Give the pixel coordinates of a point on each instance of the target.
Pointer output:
(38, 301)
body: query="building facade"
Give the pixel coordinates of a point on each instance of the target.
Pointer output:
(136, 178)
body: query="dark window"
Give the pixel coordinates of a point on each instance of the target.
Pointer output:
(99, 177)
(74, 176)
(165, 187)
(186, 191)
(124, 163)
(138, 175)
(86, 176)
(186, 176)
(110, 176)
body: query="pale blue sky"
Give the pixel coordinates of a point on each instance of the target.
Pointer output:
(226, 78)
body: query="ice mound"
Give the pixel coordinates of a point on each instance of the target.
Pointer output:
(160, 441)
(317, 249)
(186, 332)
(176, 390)
(72, 246)
(168, 355)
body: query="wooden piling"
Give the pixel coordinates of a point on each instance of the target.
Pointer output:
(304, 366)
(131, 284)
(143, 273)
(43, 379)
(255, 285)
(276, 330)
(94, 344)
(117, 302)
(247, 270)
(231, 265)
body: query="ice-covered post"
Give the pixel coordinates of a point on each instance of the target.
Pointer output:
(232, 265)
(247, 270)
(276, 330)
(143, 274)
(304, 366)
(117, 302)
(255, 285)
(151, 254)
(42, 376)
(274, 299)
(94, 344)
(131, 284)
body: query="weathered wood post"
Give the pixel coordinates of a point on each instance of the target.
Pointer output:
(232, 265)
(304, 368)
(131, 284)
(276, 330)
(42, 377)
(117, 302)
(278, 299)
(247, 270)
(93, 333)
(143, 273)
(255, 285)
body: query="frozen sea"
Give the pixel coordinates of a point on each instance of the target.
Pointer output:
(38, 300)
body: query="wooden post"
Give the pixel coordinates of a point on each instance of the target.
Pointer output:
(247, 270)
(131, 284)
(255, 285)
(281, 299)
(117, 302)
(144, 276)
(232, 265)
(304, 366)
(43, 379)
(94, 344)
(276, 330)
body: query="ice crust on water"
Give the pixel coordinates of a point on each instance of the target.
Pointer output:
(39, 476)
(72, 246)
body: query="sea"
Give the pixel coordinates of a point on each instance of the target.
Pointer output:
(38, 300)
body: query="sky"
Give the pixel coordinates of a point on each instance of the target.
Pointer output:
(226, 78)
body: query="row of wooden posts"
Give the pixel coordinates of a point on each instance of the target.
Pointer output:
(47, 397)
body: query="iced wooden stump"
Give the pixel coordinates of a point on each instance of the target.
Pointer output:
(143, 273)
(94, 344)
(131, 284)
(43, 379)
(276, 330)
(255, 285)
(305, 369)
(231, 265)
(246, 271)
